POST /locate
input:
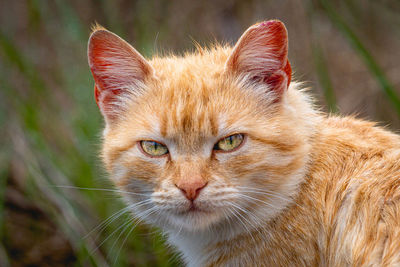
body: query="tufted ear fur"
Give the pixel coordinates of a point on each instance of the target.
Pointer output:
(119, 71)
(261, 55)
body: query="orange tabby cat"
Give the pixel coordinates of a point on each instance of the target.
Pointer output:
(228, 157)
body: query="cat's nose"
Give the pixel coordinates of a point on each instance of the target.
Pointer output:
(191, 187)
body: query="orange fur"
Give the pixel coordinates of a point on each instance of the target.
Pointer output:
(304, 189)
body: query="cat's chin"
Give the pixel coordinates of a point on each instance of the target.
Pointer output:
(194, 219)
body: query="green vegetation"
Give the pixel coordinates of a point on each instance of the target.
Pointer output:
(369, 60)
(51, 140)
(50, 125)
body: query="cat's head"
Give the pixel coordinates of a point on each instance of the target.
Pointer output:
(213, 138)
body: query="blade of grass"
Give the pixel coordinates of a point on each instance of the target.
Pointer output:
(320, 64)
(23, 112)
(66, 213)
(12, 55)
(4, 162)
(324, 79)
(371, 63)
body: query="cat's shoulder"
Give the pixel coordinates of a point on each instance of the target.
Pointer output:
(356, 171)
(356, 134)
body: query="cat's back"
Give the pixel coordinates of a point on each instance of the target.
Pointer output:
(357, 167)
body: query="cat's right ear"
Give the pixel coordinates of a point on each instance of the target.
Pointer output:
(119, 72)
(261, 56)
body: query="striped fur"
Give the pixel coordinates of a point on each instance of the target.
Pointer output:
(305, 189)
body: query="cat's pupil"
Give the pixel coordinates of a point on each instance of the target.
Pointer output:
(230, 140)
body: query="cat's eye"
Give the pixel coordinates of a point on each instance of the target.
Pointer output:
(229, 143)
(153, 148)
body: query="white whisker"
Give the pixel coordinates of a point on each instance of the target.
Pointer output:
(260, 191)
(120, 234)
(244, 225)
(101, 189)
(256, 199)
(116, 215)
(148, 213)
(124, 224)
(255, 219)
(106, 222)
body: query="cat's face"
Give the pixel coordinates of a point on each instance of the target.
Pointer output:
(202, 140)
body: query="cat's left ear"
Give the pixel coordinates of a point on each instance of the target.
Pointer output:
(119, 71)
(261, 55)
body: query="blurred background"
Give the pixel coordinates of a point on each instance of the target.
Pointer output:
(346, 51)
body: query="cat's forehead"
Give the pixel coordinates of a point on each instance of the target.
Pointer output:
(190, 109)
(191, 66)
(192, 101)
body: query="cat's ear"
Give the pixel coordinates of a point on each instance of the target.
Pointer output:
(261, 55)
(119, 71)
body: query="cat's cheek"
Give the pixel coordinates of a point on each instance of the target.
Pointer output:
(133, 165)
(136, 155)
(224, 157)
(119, 174)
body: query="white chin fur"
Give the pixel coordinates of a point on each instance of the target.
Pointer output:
(195, 221)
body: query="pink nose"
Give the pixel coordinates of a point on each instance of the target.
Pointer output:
(191, 188)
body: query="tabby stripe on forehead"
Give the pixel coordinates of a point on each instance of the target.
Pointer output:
(213, 124)
(163, 125)
(187, 121)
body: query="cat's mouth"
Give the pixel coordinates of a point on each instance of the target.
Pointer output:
(193, 209)
(194, 216)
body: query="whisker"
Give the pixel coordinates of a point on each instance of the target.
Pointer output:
(262, 192)
(256, 199)
(126, 224)
(259, 191)
(266, 194)
(129, 221)
(148, 213)
(245, 211)
(101, 189)
(179, 231)
(106, 222)
(120, 234)
(116, 215)
(244, 225)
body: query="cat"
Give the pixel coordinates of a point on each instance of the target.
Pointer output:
(229, 157)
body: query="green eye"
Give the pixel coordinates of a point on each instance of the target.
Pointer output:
(153, 148)
(229, 143)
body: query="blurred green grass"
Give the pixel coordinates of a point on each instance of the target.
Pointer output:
(52, 137)
(51, 128)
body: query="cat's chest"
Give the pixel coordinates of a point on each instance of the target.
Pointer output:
(258, 249)
(208, 251)
(193, 249)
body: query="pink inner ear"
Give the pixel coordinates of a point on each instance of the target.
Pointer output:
(117, 68)
(261, 53)
(275, 37)
(107, 99)
(96, 94)
(288, 70)
(275, 80)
